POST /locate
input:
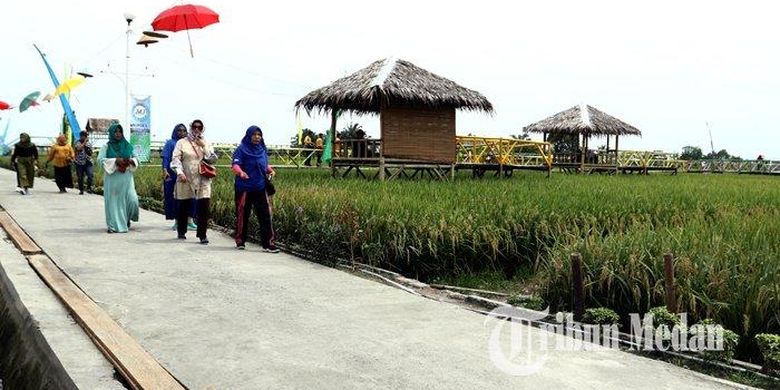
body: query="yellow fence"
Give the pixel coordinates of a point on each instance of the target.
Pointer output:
(503, 151)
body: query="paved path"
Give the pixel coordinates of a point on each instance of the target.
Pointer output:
(220, 318)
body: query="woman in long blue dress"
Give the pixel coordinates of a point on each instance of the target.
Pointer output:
(169, 178)
(119, 196)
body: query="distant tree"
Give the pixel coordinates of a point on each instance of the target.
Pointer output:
(564, 143)
(294, 140)
(723, 155)
(691, 153)
(349, 131)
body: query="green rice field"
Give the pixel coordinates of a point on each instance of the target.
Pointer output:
(517, 235)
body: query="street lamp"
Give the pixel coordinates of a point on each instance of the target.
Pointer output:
(129, 19)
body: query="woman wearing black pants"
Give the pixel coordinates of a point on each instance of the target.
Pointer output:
(191, 186)
(250, 164)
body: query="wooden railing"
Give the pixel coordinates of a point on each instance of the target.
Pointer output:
(365, 148)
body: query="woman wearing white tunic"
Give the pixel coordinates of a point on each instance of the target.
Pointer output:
(119, 196)
(191, 186)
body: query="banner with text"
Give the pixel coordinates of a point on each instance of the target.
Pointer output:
(140, 125)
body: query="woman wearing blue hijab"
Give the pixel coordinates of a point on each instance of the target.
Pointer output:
(250, 164)
(169, 177)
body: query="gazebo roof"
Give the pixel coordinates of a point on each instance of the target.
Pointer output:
(583, 119)
(392, 82)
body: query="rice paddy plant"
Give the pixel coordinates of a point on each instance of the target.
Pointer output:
(724, 231)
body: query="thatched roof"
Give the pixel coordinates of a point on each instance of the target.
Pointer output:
(394, 83)
(583, 119)
(99, 125)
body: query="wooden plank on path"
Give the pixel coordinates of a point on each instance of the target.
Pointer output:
(17, 235)
(139, 368)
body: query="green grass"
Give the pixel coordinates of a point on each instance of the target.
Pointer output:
(516, 235)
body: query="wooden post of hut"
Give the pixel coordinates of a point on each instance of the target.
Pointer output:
(617, 154)
(381, 161)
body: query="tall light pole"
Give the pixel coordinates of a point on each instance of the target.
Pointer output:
(129, 19)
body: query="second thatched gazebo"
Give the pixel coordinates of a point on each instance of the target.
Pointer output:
(416, 110)
(584, 122)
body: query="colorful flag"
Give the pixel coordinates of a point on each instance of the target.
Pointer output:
(327, 153)
(74, 124)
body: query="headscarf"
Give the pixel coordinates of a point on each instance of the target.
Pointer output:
(118, 148)
(170, 145)
(191, 136)
(62, 140)
(174, 136)
(250, 149)
(24, 141)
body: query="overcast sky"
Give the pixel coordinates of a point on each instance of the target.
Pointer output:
(666, 67)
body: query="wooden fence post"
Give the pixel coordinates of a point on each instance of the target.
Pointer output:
(669, 287)
(579, 293)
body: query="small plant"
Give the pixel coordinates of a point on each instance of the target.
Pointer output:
(662, 316)
(730, 340)
(600, 316)
(533, 302)
(769, 345)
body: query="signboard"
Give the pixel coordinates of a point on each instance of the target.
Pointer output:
(140, 125)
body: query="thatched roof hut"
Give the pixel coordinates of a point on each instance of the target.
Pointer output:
(393, 83)
(583, 119)
(416, 108)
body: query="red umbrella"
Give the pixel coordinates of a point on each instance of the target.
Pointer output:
(185, 17)
(4, 105)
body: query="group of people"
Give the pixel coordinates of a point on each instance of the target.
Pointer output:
(188, 173)
(62, 155)
(319, 144)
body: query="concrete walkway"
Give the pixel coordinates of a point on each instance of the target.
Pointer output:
(219, 318)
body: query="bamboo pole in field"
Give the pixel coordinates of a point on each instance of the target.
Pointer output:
(577, 285)
(669, 287)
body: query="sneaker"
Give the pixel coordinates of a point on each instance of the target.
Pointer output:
(241, 247)
(192, 226)
(271, 249)
(27, 191)
(20, 190)
(204, 241)
(182, 237)
(81, 192)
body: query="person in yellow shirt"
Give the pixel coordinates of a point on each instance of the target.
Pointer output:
(320, 143)
(308, 145)
(60, 155)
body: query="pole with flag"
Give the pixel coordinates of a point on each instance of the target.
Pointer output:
(65, 104)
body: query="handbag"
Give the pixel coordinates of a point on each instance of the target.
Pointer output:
(207, 170)
(270, 189)
(204, 169)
